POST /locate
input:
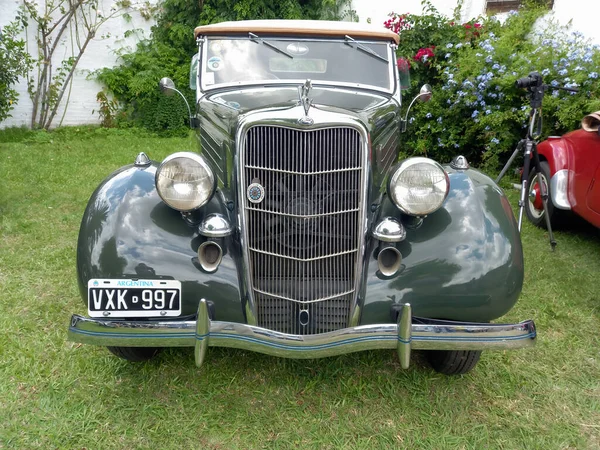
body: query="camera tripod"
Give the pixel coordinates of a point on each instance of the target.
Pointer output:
(536, 88)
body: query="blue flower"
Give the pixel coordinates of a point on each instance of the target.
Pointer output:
(488, 111)
(495, 141)
(496, 66)
(554, 83)
(428, 115)
(448, 55)
(593, 75)
(439, 120)
(459, 45)
(562, 72)
(449, 45)
(475, 114)
(488, 59)
(546, 72)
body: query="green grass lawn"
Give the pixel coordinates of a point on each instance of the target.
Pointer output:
(56, 394)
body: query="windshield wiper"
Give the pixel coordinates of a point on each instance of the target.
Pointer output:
(349, 41)
(254, 38)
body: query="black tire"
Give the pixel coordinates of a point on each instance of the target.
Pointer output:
(534, 209)
(134, 354)
(453, 362)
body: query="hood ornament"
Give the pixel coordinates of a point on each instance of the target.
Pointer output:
(306, 102)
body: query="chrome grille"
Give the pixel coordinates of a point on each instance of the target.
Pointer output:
(303, 237)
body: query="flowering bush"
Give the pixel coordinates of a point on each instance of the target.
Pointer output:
(476, 110)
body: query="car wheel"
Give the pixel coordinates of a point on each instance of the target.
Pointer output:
(134, 354)
(534, 207)
(453, 362)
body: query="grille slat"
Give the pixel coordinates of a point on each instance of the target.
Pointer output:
(302, 238)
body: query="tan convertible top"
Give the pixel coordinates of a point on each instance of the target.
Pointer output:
(297, 28)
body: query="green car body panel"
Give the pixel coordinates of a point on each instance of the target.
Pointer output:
(462, 262)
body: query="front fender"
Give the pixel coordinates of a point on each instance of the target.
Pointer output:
(557, 152)
(464, 262)
(128, 232)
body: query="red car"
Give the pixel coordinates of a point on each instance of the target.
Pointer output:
(571, 168)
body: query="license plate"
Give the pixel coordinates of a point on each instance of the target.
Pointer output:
(134, 298)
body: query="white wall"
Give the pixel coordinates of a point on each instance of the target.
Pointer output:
(377, 11)
(100, 53)
(584, 15)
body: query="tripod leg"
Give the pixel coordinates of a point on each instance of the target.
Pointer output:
(525, 179)
(510, 161)
(544, 195)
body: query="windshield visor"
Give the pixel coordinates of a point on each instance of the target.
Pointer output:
(240, 61)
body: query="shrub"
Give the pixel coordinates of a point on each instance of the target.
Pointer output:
(476, 109)
(14, 61)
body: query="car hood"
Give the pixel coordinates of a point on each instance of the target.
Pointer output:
(249, 99)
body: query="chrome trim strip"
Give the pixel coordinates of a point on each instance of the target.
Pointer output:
(404, 336)
(559, 189)
(320, 299)
(316, 258)
(303, 216)
(322, 172)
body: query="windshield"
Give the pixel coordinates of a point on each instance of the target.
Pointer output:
(269, 60)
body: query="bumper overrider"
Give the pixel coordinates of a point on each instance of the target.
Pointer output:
(405, 335)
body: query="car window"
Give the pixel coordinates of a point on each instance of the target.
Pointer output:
(245, 60)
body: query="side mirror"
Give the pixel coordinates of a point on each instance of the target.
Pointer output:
(424, 95)
(167, 87)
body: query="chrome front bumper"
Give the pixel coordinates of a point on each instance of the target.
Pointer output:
(404, 336)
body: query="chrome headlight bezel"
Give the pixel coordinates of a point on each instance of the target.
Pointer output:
(440, 187)
(204, 189)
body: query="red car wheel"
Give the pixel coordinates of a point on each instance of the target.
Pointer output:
(534, 207)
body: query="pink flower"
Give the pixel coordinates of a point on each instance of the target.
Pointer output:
(424, 55)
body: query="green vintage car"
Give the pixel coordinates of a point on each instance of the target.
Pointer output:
(293, 229)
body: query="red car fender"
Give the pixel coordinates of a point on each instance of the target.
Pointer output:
(558, 152)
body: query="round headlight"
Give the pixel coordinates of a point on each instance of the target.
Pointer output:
(184, 181)
(419, 186)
